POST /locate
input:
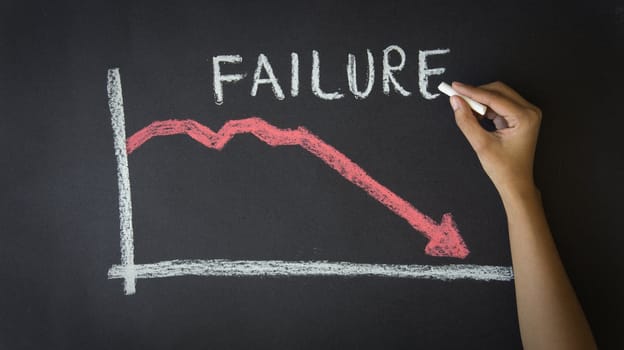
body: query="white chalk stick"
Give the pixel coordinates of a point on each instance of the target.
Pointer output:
(476, 106)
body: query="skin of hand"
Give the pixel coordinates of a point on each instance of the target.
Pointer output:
(507, 153)
(549, 314)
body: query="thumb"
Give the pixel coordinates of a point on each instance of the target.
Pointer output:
(468, 124)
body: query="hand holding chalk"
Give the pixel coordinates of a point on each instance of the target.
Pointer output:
(507, 153)
(550, 313)
(476, 106)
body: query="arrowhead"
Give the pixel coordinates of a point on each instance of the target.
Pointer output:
(446, 240)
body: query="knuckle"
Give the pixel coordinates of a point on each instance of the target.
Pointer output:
(534, 113)
(497, 86)
(499, 83)
(539, 113)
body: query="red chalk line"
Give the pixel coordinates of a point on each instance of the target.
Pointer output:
(444, 237)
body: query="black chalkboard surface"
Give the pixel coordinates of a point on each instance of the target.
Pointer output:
(285, 175)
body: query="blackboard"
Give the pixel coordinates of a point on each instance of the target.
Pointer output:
(308, 222)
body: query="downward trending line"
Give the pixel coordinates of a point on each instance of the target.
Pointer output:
(279, 268)
(444, 238)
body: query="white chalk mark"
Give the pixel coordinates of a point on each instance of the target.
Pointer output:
(294, 74)
(129, 271)
(279, 268)
(476, 106)
(263, 63)
(424, 71)
(115, 105)
(388, 76)
(219, 79)
(352, 76)
(316, 81)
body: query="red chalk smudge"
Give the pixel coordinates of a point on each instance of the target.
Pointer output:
(444, 238)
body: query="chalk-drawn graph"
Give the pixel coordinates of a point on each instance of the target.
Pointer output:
(444, 238)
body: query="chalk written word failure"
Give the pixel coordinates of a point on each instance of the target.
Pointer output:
(265, 75)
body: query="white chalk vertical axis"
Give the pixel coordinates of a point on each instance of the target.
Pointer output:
(115, 105)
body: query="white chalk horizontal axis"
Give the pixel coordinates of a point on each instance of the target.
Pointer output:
(280, 268)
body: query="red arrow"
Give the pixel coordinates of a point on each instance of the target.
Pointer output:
(444, 238)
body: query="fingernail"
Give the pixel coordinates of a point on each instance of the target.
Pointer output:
(454, 103)
(459, 84)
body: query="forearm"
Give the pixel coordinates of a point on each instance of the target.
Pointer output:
(549, 313)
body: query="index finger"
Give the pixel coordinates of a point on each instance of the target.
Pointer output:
(502, 105)
(506, 91)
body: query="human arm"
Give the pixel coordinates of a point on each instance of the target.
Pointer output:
(549, 313)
